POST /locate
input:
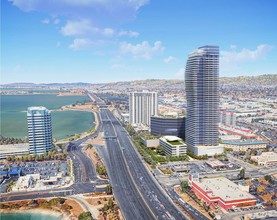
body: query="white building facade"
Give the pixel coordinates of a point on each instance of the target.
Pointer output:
(39, 130)
(173, 146)
(142, 105)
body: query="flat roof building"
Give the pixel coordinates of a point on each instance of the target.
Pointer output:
(214, 163)
(220, 192)
(142, 105)
(13, 150)
(165, 125)
(266, 159)
(173, 146)
(244, 145)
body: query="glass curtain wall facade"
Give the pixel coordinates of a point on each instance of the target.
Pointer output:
(201, 81)
(39, 130)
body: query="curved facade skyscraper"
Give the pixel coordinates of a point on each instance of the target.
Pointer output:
(39, 130)
(201, 80)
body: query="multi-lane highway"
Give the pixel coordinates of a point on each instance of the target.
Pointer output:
(138, 193)
(85, 177)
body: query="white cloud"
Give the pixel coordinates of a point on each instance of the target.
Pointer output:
(80, 44)
(45, 21)
(245, 54)
(104, 10)
(128, 33)
(87, 17)
(80, 27)
(142, 51)
(109, 32)
(85, 43)
(85, 27)
(229, 59)
(170, 59)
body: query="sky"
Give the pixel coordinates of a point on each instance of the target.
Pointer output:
(45, 41)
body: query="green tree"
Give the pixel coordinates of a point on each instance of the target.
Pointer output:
(109, 190)
(184, 186)
(241, 174)
(268, 178)
(160, 150)
(85, 216)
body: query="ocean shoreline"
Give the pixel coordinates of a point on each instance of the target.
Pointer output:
(40, 211)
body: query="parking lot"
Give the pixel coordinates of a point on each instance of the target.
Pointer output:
(51, 172)
(45, 169)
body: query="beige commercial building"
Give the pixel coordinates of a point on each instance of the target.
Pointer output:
(266, 159)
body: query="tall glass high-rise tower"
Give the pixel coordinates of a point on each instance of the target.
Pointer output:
(201, 80)
(39, 130)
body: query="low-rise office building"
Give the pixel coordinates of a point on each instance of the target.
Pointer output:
(266, 159)
(173, 146)
(244, 145)
(166, 125)
(216, 164)
(220, 192)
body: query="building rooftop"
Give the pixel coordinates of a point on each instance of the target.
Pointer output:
(265, 157)
(224, 188)
(14, 148)
(171, 138)
(215, 163)
(36, 108)
(246, 142)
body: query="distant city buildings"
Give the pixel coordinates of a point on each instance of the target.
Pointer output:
(173, 146)
(142, 105)
(227, 118)
(244, 133)
(244, 145)
(39, 130)
(201, 80)
(166, 125)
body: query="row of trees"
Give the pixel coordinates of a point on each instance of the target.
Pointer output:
(52, 155)
(8, 140)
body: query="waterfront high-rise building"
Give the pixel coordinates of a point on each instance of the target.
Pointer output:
(39, 130)
(142, 105)
(201, 81)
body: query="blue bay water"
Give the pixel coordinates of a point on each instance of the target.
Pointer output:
(26, 216)
(64, 123)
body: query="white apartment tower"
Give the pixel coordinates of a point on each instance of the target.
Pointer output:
(39, 130)
(142, 105)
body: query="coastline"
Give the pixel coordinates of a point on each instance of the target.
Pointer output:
(41, 211)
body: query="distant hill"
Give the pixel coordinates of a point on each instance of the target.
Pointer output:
(240, 81)
(262, 80)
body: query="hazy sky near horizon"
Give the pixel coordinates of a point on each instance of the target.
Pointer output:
(95, 41)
